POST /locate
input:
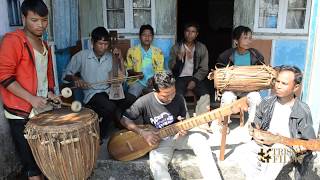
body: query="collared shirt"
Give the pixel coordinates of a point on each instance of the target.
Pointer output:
(147, 68)
(92, 70)
(134, 60)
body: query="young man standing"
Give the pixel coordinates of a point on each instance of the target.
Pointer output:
(281, 114)
(144, 60)
(189, 64)
(95, 65)
(160, 109)
(26, 77)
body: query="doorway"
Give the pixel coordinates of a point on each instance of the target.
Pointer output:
(215, 18)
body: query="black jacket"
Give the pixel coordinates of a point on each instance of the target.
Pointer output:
(227, 57)
(200, 61)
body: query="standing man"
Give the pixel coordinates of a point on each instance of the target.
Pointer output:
(189, 64)
(26, 76)
(160, 109)
(281, 114)
(241, 55)
(95, 65)
(144, 60)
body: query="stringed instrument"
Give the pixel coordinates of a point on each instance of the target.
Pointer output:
(310, 144)
(116, 89)
(127, 145)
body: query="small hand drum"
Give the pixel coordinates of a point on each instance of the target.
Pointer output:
(64, 144)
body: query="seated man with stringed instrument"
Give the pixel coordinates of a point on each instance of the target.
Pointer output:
(160, 110)
(282, 127)
(100, 69)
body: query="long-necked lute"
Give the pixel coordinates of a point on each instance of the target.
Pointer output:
(310, 144)
(116, 89)
(127, 145)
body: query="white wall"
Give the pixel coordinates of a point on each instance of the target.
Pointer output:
(4, 20)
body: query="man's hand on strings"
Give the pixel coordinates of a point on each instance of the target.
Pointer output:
(150, 136)
(78, 82)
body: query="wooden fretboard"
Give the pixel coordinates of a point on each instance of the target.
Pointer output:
(311, 144)
(204, 118)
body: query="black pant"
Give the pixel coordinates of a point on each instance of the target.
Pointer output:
(109, 110)
(182, 82)
(30, 167)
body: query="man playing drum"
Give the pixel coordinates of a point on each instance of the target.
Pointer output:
(95, 65)
(160, 109)
(281, 114)
(26, 77)
(241, 55)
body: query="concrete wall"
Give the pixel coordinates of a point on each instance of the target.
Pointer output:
(91, 16)
(289, 52)
(166, 17)
(244, 13)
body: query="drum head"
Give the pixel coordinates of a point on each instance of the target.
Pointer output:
(62, 119)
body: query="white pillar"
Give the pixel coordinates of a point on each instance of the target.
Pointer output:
(311, 85)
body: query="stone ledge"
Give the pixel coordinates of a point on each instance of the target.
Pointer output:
(183, 166)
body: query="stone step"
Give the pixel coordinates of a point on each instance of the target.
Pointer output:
(184, 167)
(184, 164)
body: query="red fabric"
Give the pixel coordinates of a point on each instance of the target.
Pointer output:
(16, 64)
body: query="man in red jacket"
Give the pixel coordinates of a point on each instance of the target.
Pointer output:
(26, 77)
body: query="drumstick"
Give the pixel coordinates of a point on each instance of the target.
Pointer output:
(75, 106)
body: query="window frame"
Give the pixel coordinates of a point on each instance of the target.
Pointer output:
(128, 15)
(281, 20)
(16, 15)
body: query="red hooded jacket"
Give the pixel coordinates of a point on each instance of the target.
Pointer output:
(17, 64)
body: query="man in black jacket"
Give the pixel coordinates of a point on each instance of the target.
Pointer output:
(282, 114)
(189, 64)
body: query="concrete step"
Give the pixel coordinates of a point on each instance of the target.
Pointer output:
(184, 164)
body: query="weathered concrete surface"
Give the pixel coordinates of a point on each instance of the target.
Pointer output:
(184, 165)
(9, 162)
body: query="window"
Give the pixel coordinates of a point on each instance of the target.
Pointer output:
(282, 16)
(14, 13)
(126, 16)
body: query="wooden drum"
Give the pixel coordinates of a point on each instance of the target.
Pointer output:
(243, 78)
(64, 144)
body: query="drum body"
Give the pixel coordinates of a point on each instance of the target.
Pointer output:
(244, 78)
(64, 144)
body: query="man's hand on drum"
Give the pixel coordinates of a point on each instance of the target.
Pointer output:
(191, 85)
(151, 136)
(56, 99)
(38, 101)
